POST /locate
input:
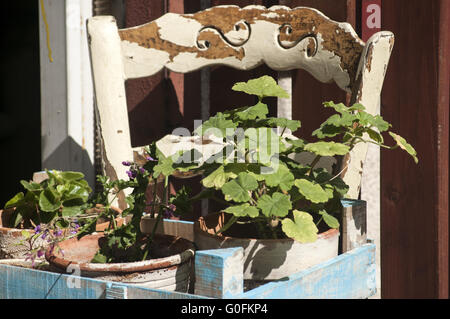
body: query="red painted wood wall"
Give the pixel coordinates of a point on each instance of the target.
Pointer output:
(415, 99)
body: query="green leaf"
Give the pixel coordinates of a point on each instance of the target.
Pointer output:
(16, 218)
(26, 234)
(47, 217)
(72, 211)
(292, 125)
(217, 126)
(282, 177)
(164, 167)
(277, 205)
(374, 135)
(330, 220)
(243, 210)
(76, 191)
(299, 143)
(15, 201)
(258, 111)
(405, 146)
(340, 107)
(49, 201)
(238, 189)
(327, 148)
(99, 258)
(312, 191)
(32, 187)
(302, 228)
(72, 176)
(261, 87)
(327, 130)
(216, 179)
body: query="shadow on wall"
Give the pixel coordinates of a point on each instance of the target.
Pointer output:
(76, 159)
(153, 109)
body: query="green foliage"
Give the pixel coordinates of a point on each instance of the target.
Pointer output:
(302, 228)
(56, 200)
(261, 87)
(260, 182)
(239, 189)
(277, 205)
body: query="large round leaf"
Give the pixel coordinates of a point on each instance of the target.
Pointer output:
(238, 189)
(312, 191)
(276, 205)
(243, 210)
(302, 228)
(327, 148)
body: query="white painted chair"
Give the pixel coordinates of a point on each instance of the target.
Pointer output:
(242, 38)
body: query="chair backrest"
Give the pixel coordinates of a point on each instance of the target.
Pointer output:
(243, 38)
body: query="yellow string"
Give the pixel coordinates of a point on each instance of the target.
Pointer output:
(46, 31)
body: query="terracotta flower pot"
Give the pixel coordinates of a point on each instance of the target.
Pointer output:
(10, 238)
(265, 259)
(169, 270)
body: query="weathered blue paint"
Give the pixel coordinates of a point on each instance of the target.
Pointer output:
(23, 283)
(219, 273)
(350, 275)
(352, 202)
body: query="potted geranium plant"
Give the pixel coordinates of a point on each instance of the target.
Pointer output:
(43, 215)
(124, 253)
(275, 207)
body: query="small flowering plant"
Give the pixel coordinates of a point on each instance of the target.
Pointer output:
(126, 243)
(45, 239)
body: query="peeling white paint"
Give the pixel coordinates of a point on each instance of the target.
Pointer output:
(170, 25)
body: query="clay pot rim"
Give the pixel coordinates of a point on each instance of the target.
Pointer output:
(127, 267)
(9, 230)
(5, 230)
(332, 232)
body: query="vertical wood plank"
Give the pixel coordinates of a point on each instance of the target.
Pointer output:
(443, 151)
(55, 149)
(219, 273)
(354, 224)
(412, 254)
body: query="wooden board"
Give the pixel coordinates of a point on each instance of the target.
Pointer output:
(350, 275)
(414, 198)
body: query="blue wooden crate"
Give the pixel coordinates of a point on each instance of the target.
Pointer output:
(219, 273)
(349, 275)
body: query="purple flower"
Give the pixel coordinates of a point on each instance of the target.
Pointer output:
(142, 170)
(126, 163)
(44, 235)
(40, 253)
(149, 158)
(131, 174)
(167, 213)
(58, 233)
(37, 229)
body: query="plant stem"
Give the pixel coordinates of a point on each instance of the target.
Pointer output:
(232, 220)
(158, 219)
(314, 162)
(155, 180)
